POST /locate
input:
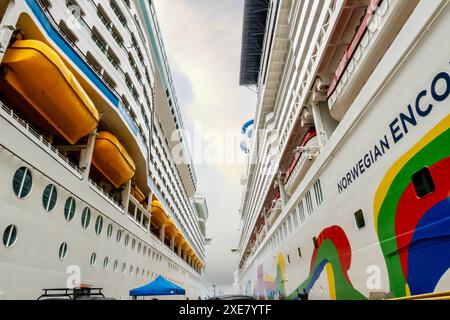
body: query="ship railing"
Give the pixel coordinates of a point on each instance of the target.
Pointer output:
(144, 214)
(40, 140)
(105, 195)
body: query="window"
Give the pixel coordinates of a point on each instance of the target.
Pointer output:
(301, 211)
(289, 221)
(137, 272)
(139, 248)
(295, 218)
(10, 236)
(299, 252)
(116, 265)
(93, 259)
(85, 218)
(119, 236)
(124, 267)
(109, 231)
(49, 197)
(289, 259)
(63, 251)
(127, 239)
(423, 182)
(22, 182)
(98, 225)
(133, 244)
(316, 245)
(131, 270)
(144, 250)
(359, 219)
(69, 209)
(309, 206)
(105, 263)
(318, 192)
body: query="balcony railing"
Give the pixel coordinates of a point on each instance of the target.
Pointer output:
(39, 139)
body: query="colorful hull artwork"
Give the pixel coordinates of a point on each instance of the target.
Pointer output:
(413, 233)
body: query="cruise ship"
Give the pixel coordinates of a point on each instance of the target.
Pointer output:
(346, 191)
(91, 194)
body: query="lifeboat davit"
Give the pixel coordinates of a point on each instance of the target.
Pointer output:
(40, 77)
(159, 216)
(112, 160)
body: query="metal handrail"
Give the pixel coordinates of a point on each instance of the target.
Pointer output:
(44, 142)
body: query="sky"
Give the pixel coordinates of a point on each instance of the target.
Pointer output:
(203, 43)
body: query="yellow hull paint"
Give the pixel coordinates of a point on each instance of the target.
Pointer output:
(112, 160)
(38, 74)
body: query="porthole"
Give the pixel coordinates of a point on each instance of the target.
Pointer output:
(143, 273)
(131, 270)
(85, 218)
(133, 244)
(124, 267)
(144, 250)
(98, 225)
(119, 236)
(148, 274)
(359, 219)
(63, 251)
(105, 263)
(127, 239)
(22, 182)
(69, 209)
(109, 231)
(137, 272)
(139, 247)
(116, 265)
(93, 259)
(423, 182)
(10, 236)
(49, 197)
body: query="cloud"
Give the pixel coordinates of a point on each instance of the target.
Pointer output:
(203, 42)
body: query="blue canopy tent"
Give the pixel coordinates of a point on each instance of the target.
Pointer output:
(158, 287)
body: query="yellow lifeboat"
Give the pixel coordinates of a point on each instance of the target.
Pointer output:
(112, 160)
(159, 216)
(40, 77)
(138, 194)
(179, 239)
(171, 230)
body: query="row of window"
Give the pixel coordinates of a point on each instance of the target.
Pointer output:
(170, 168)
(10, 238)
(22, 186)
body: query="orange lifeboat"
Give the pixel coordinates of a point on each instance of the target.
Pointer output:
(40, 78)
(179, 239)
(112, 160)
(159, 216)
